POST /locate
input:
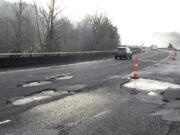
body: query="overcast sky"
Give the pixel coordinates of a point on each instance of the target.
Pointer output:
(137, 20)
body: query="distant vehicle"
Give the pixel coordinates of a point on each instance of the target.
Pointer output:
(123, 52)
(154, 47)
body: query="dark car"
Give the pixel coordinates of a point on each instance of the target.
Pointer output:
(123, 52)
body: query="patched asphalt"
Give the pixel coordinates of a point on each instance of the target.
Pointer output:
(96, 103)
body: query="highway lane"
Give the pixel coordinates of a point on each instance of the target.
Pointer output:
(83, 73)
(102, 80)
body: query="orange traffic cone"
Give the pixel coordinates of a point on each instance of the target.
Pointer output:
(174, 55)
(135, 76)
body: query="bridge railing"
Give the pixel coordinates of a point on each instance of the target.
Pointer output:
(11, 60)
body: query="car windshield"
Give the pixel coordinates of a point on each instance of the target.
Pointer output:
(121, 49)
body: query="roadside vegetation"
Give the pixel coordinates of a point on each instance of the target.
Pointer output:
(28, 28)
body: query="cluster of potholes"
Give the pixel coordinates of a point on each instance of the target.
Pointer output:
(34, 97)
(47, 80)
(47, 93)
(157, 92)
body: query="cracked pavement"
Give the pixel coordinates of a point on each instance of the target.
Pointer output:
(100, 106)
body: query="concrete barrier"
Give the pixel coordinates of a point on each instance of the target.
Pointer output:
(10, 60)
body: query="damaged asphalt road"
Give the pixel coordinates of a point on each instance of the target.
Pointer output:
(92, 99)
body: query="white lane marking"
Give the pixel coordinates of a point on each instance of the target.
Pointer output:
(169, 55)
(131, 74)
(161, 61)
(150, 55)
(90, 118)
(148, 60)
(41, 68)
(155, 55)
(102, 113)
(128, 75)
(122, 76)
(4, 122)
(147, 55)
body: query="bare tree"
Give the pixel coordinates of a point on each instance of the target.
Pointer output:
(17, 26)
(18, 14)
(48, 20)
(31, 28)
(51, 24)
(7, 25)
(37, 22)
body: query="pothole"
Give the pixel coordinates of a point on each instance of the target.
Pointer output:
(61, 77)
(156, 92)
(75, 88)
(153, 94)
(64, 77)
(168, 114)
(149, 85)
(150, 97)
(171, 95)
(45, 94)
(150, 91)
(115, 77)
(34, 83)
(33, 97)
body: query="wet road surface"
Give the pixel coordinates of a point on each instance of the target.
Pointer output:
(86, 99)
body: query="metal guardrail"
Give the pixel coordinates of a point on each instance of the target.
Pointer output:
(170, 49)
(11, 60)
(9, 55)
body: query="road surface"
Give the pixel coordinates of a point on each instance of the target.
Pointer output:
(86, 99)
